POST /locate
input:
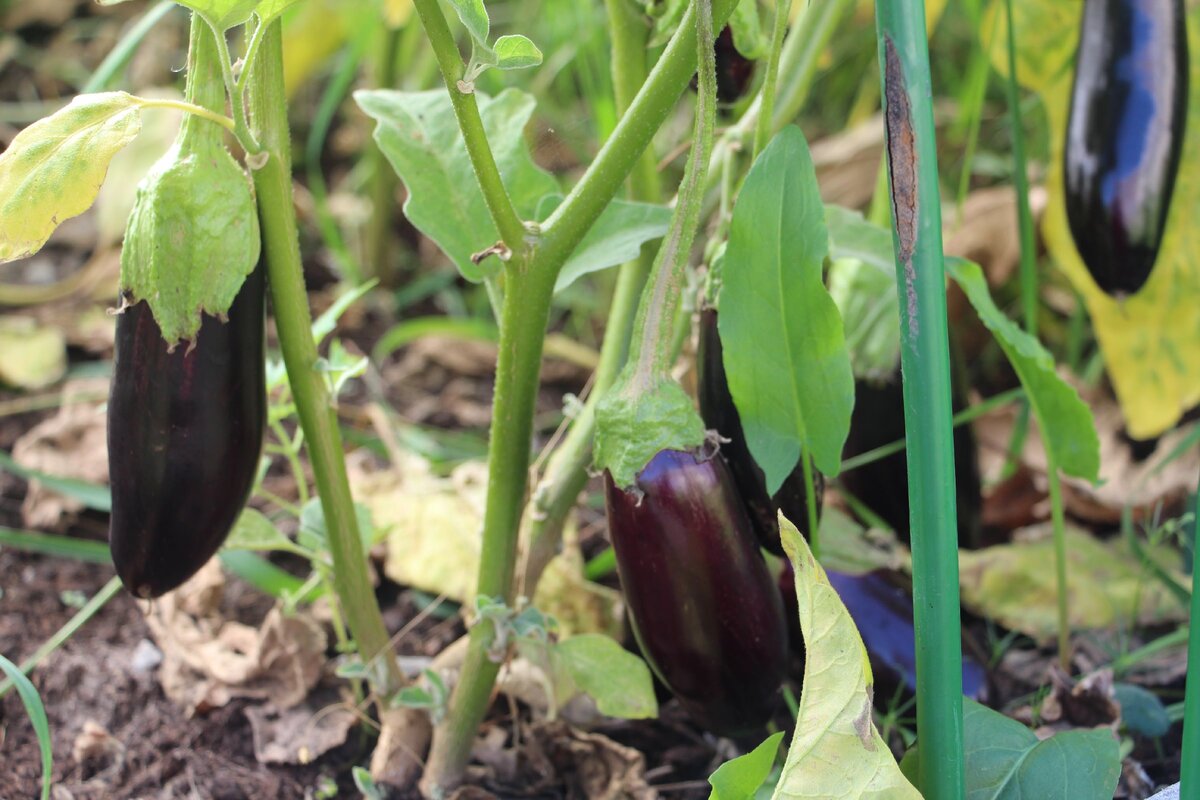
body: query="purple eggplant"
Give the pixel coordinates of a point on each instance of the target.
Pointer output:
(185, 431)
(720, 414)
(883, 614)
(1125, 135)
(705, 610)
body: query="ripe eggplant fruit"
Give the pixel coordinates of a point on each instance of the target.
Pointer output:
(185, 431)
(720, 414)
(878, 419)
(1125, 135)
(705, 610)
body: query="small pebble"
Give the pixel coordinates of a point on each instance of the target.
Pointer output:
(145, 657)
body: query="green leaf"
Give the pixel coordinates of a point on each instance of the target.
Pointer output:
(748, 37)
(192, 238)
(314, 534)
(1068, 430)
(1141, 711)
(222, 14)
(419, 134)
(616, 679)
(265, 576)
(1006, 761)
(740, 778)
(92, 495)
(516, 52)
(862, 281)
(616, 237)
(37, 717)
(326, 323)
(268, 10)
(474, 17)
(53, 169)
(633, 426)
(52, 544)
(785, 353)
(253, 531)
(836, 752)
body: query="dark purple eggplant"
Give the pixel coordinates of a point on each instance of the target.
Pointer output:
(1125, 135)
(878, 419)
(883, 614)
(720, 414)
(705, 611)
(185, 431)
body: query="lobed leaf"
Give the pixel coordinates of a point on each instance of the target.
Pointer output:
(53, 169)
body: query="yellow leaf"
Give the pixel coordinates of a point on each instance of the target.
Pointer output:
(53, 169)
(1015, 585)
(836, 752)
(1149, 340)
(31, 357)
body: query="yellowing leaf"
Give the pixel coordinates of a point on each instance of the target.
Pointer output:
(53, 169)
(1148, 340)
(31, 357)
(1015, 585)
(836, 751)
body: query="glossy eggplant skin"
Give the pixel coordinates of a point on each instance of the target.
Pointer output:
(878, 419)
(185, 431)
(705, 610)
(720, 414)
(1125, 135)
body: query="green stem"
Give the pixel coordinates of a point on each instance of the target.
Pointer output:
(1029, 276)
(766, 114)
(380, 243)
(318, 418)
(241, 128)
(1060, 563)
(1175, 638)
(256, 39)
(810, 497)
(925, 363)
(189, 108)
(504, 215)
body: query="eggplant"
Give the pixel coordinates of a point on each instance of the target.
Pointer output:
(185, 432)
(1125, 135)
(883, 614)
(705, 610)
(720, 414)
(878, 419)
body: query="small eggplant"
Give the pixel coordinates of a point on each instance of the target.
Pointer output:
(883, 614)
(878, 419)
(720, 414)
(185, 431)
(1125, 135)
(704, 608)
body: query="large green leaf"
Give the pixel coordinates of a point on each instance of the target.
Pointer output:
(836, 752)
(1006, 761)
(785, 353)
(53, 169)
(1068, 431)
(740, 778)
(419, 134)
(615, 678)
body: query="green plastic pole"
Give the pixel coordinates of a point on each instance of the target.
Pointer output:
(1189, 780)
(925, 362)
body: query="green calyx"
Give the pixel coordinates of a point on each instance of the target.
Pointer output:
(633, 427)
(193, 236)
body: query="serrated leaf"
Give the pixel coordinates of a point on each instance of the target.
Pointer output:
(1006, 761)
(253, 531)
(616, 237)
(419, 134)
(741, 777)
(1066, 424)
(1148, 340)
(785, 352)
(53, 169)
(474, 17)
(516, 52)
(836, 752)
(192, 238)
(616, 679)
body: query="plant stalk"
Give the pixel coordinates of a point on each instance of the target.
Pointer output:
(1029, 276)
(766, 114)
(1190, 756)
(925, 362)
(380, 244)
(318, 418)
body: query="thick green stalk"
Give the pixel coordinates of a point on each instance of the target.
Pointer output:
(1190, 756)
(566, 472)
(925, 362)
(508, 223)
(380, 245)
(318, 419)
